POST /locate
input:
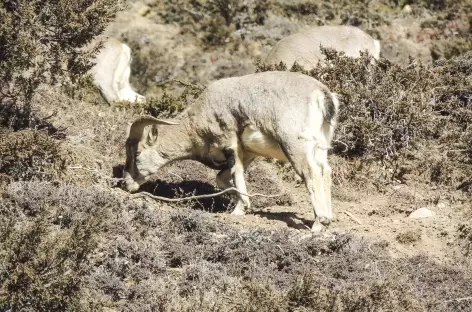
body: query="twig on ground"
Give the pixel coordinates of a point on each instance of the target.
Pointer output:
(166, 199)
(346, 147)
(176, 175)
(459, 299)
(353, 217)
(50, 116)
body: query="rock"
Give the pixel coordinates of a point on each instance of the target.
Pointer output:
(407, 9)
(441, 205)
(422, 213)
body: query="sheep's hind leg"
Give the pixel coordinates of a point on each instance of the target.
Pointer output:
(321, 159)
(302, 157)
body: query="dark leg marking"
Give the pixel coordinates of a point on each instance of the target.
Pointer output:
(229, 154)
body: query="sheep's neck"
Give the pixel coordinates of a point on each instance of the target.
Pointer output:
(174, 142)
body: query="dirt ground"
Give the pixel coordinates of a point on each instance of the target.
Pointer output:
(376, 217)
(360, 210)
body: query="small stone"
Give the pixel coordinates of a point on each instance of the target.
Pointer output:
(422, 213)
(407, 9)
(143, 10)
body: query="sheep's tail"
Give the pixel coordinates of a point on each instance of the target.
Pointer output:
(330, 116)
(331, 108)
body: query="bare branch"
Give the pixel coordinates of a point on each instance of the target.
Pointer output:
(353, 217)
(166, 199)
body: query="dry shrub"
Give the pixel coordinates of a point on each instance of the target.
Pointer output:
(450, 48)
(65, 248)
(465, 234)
(437, 5)
(15, 116)
(409, 237)
(47, 235)
(414, 119)
(31, 155)
(448, 26)
(260, 297)
(83, 89)
(167, 105)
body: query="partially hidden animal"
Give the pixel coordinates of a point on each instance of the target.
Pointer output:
(111, 72)
(304, 47)
(278, 114)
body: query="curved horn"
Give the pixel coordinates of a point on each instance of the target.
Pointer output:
(138, 125)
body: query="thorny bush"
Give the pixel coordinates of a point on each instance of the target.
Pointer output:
(402, 116)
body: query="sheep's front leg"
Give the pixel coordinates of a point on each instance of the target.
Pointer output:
(224, 179)
(235, 160)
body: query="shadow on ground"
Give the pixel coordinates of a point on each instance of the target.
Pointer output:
(190, 188)
(290, 218)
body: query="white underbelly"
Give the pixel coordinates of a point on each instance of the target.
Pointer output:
(257, 142)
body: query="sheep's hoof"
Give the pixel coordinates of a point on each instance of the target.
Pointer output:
(325, 221)
(238, 212)
(317, 227)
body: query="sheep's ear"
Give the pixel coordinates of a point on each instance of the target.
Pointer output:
(137, 127)
(152, 135)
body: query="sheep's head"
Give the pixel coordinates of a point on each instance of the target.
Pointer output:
(142, 155)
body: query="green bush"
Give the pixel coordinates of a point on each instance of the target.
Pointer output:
(214, 20)
(40, 42)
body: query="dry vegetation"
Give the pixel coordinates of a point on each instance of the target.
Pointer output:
(83, 248)
(71, 241)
